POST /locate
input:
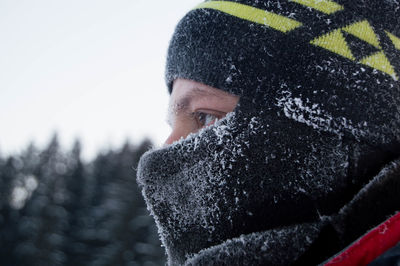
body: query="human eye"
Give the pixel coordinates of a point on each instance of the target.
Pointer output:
(205, 118)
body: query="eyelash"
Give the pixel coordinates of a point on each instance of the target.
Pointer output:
(201, 118)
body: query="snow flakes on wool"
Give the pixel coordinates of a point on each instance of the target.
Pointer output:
(243, 174)
(312, 114)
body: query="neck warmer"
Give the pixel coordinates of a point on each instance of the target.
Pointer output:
(318, 117)
(226, 181)
(310, 244)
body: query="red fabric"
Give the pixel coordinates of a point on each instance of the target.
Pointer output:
(371, 245)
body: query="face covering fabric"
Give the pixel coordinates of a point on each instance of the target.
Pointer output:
(242, 175)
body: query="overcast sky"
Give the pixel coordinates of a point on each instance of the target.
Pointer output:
(88, 69)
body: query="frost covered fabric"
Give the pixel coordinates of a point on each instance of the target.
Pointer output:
(273, 247)
(318, 118)
(208, 215)
(246, 174)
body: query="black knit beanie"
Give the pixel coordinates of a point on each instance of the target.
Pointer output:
(333, 65)
(318, 116)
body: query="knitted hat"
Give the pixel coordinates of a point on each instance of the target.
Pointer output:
(333, 65)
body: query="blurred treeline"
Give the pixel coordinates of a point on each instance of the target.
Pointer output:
(56, 209)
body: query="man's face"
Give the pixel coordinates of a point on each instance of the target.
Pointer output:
(194, 105)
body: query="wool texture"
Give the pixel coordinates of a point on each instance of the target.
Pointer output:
(276, 247)
(318, 118)
(337, 72)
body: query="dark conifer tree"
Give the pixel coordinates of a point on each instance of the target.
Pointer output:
(42, 227)
(57, 210)
(76, 205)
(128, 221)
(8, 216)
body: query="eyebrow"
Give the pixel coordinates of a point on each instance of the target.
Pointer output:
(183, 103)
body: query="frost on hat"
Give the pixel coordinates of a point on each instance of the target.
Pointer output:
(333, 65)
(318, 116)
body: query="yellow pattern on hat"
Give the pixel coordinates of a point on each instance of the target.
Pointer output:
(380, 62)
(253, 14)
(325, 6)
(395, 40)
(363, 31)
(334, 41)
